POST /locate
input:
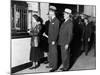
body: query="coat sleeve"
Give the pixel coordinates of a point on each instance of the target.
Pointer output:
(56, 30)
(31, 32)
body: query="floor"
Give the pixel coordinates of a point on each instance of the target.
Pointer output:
(82, 63)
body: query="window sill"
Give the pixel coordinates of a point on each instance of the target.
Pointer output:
(19, 35)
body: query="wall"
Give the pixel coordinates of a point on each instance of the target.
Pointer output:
(90, 10)
(20, 51)
(44, 8)
(32, 6)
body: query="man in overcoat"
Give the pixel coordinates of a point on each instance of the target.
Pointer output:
(65, 37)
(52, 39)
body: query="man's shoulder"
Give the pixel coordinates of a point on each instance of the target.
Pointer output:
(57, 20)
(68, 22)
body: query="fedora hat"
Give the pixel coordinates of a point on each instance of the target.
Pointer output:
(52, 8)
(68, 11)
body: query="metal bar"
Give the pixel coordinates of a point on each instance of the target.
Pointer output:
(17, 9)
(25, 17)
(14, 16)
(39, 9)
(21, 19)
(26, 20)
(77, 8)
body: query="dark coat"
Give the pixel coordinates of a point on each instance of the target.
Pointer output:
(87, 31)
(36, 53)
(43, 39)
(65, 34)
(53, 30)
(35, 33)
(46, 28)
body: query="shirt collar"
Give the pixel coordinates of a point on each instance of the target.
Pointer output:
(53, 18)
(66, 20)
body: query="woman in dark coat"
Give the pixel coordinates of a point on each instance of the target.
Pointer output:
(36, 53)
(86, 35)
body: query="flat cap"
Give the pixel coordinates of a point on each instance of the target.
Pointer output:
(52, 8)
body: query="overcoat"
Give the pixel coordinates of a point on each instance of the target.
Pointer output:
(66, 32)
(53, 30)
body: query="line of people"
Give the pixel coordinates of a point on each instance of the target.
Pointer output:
(58, 35)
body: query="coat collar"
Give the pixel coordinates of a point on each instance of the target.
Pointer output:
(66, 20)
(69, 20)
(53, 19)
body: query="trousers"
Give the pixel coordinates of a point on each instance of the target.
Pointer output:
(65, 57)
(52, 56)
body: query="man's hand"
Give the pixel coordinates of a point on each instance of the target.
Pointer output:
(38, 23)
(66, 46)
(88, 39)
(28, 31)
(53, 43)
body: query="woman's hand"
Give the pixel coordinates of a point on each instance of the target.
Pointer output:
(38, 23)
(45, 35)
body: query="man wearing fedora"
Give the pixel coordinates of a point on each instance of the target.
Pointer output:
(65, 36)
(52, 39)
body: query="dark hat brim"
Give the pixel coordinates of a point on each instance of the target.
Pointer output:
(52, 9)
(66, 12)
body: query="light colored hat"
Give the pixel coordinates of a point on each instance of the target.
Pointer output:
(52, 8)
(68, 11)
